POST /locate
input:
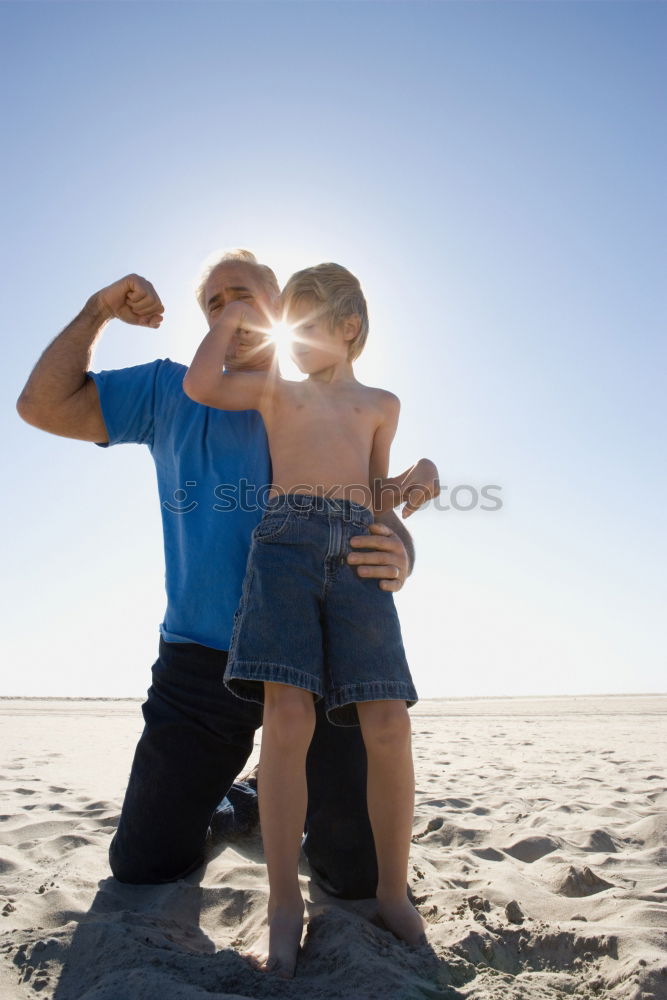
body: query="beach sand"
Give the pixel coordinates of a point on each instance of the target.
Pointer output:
(539, 860)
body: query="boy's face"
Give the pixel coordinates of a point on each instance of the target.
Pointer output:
(315, 344)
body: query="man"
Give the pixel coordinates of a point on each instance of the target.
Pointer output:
(211, 467)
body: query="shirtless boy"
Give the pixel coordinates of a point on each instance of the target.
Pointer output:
(329, 438)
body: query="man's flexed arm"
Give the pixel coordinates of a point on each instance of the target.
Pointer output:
(58, 397)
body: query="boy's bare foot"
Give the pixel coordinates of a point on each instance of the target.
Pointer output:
(403, 920)
(277, 949)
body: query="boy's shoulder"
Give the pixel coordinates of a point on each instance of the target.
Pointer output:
(380, 397)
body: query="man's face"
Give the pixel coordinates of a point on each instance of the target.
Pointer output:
(249, 350)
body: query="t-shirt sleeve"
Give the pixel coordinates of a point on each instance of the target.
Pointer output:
(128, 401)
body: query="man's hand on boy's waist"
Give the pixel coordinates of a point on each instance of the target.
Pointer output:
(387, 561)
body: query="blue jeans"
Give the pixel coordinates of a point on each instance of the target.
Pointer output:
(308, 620)
(197, 738)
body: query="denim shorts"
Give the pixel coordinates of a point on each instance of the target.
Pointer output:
(307, 619)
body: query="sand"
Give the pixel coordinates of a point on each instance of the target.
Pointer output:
(539, 861)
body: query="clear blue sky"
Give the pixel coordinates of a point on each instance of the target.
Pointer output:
(493, 172)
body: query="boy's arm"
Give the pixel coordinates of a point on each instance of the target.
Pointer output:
(379, 460)
(414, 487)
(387, 554)
(378, 473)
(205, 381)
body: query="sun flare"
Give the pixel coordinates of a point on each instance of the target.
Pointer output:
(282, 333)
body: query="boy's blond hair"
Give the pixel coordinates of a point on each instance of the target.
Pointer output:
(337, 291)
(238, 256)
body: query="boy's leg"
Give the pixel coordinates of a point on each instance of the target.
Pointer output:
(363, 645)
(196, 740)
(289, 720)
(339, 839)
(386, 730)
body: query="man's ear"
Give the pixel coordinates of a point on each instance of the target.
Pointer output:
(351, 326)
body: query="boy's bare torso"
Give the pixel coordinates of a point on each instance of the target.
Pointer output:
(321, 436)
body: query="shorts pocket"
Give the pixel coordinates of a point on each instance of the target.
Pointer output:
(272, 526)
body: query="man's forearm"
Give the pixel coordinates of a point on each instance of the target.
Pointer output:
(61, 370)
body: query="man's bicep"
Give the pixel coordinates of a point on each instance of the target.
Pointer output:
(91, 422)
(78, 417)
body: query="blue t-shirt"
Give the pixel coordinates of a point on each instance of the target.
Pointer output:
(213, 472)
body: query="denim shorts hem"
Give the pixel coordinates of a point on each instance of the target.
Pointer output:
(341, 704)
(371, 691)
(259, 672)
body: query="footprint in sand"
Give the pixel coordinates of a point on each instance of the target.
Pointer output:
(57, 847)
(32, 967)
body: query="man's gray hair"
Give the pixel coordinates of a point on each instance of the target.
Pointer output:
(238, 256)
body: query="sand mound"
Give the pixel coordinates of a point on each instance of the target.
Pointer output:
(600, 842)
(576, 882)
(650, 832)
(530, 849)
(450, 834)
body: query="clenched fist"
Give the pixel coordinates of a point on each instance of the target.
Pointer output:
(132, 299)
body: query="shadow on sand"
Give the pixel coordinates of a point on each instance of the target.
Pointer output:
(148, 942)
